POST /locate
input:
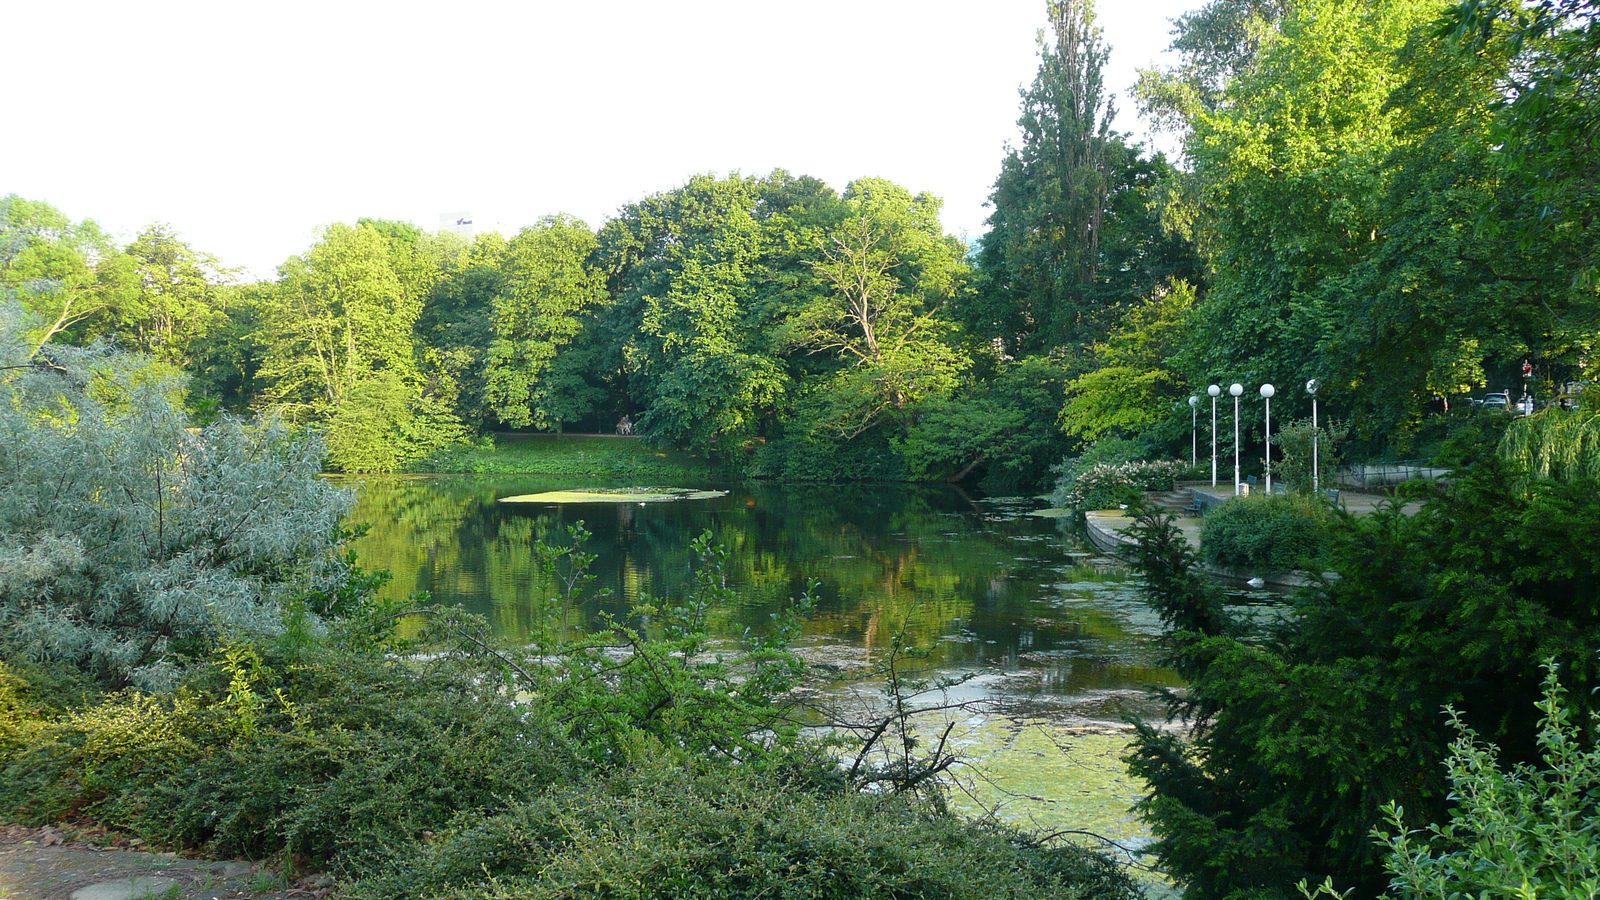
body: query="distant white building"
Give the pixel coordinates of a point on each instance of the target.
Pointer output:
(459, 222)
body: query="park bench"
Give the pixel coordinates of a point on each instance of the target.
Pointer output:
(1199, 503)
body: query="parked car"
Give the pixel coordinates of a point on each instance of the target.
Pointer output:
(1497, 400)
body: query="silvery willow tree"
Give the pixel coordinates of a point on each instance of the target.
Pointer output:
(129, 540)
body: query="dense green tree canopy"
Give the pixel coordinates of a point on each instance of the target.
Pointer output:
(548, 295)
(62, 272)
(888, 273)
(175, 299)
(680, 267)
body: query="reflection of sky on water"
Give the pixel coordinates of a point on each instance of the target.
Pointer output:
(981, 584)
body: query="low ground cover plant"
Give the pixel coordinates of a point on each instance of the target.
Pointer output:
(570, 455)
(716, 833)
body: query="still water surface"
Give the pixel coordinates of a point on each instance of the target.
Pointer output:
(1055, 640)
(1049, 627)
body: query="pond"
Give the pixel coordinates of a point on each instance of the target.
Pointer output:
(1053, 637)
(979, 582)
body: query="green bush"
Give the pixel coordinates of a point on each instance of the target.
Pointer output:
(338, 759)
(1266, 533)
(1306, 455)
(1521, 831)
(130, 541)
(715, 832)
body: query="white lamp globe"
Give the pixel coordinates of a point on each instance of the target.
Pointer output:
(1194, 401)
(1236, 389)
(1268, 390)
(1312, 385)
(1214, 391)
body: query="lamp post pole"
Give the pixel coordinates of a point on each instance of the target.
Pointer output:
(1316, 467)
(1194, 431)
(1267, 390)
(1237, 390)
(1214, 391)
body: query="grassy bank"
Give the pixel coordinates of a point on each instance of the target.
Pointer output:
(586, 454)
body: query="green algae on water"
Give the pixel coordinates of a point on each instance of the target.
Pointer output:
(616, 495)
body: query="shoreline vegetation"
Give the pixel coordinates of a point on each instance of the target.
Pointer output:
(598, 455)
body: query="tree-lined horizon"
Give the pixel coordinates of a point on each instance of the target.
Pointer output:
(1388, 196)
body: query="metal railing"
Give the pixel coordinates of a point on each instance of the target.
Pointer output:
(1368, 475)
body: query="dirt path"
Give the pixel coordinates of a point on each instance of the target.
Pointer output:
(44, 864)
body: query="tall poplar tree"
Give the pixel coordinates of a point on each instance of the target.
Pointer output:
(1043, 250)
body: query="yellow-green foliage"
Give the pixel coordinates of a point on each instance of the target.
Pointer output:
(1555, 444)
(19, 717)
(1127, 391)
(131, 725)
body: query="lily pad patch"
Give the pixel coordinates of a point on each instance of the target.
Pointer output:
(616, 495)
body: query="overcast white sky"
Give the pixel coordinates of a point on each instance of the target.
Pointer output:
(247, 126)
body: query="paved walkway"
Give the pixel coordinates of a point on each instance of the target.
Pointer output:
(1107, 528)
(47, 864)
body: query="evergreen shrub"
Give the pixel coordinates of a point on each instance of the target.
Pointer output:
(715, 832)
(1513, 831)
(1302, 729)
(1266, 533)
(338, 760)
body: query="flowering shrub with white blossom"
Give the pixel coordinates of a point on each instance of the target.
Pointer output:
(1107, 485)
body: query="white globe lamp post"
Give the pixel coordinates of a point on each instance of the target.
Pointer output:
(1194, 431)
(1214, 392)
(1316, 468)
(1237, 390)
(1267, 391)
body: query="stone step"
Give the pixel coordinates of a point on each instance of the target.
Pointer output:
(1174, 501)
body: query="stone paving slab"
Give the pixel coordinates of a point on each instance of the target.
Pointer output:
(43, 864)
